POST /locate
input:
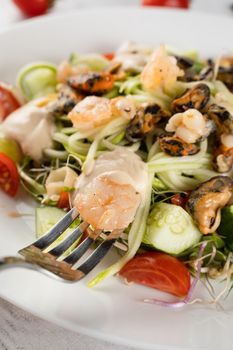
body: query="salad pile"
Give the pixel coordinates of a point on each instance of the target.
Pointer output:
(140, 141)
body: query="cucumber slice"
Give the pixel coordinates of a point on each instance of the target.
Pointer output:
(170, 229)
(226, 224)
(37, 80)
(94, 62)
(47, 217)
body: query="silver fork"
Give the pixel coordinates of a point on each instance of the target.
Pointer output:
(52, 261)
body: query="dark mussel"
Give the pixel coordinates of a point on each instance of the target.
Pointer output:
(174, 146)
(197, 98)
(92, 83)
(206, 201)
(145, 121)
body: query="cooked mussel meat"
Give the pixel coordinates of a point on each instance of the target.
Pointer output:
(92, 83)
(145, 121)
(174, 146)
(196, 98)
(225, 74)
(67, 98)
(206, 201)
(221, 117)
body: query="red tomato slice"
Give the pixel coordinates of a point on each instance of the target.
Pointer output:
(160, 271)
(9, 176)
(167, 3)
(63, 202)
(33, 7)
(109, 55)
(8, 102)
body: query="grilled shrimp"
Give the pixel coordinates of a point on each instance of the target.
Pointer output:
(93, 112)
(161, 71)
(109, 197)
(92, 83)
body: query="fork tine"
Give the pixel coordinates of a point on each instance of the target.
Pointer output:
(67, 243)
(57, 230)
(82, 248)
(99, 253)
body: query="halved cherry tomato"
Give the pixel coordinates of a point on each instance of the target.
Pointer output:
(63, 202)
(160, 271)
(33, 8)
(109, 55)
(180, 199)
(167, 3)
(9, 176)
(8, 102)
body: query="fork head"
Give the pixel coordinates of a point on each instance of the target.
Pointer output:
(54, 259)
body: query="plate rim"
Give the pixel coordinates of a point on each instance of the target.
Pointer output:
(99, 334)
(49, 17)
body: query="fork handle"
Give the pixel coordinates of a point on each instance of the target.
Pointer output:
(9, 262)
(14, 261)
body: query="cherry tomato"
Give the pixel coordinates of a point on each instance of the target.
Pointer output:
(168, 3)
(9, 176)
(63, 202)
(32, 8)
(180, 199)
(8, 102)
(109, 55)
(160, 271)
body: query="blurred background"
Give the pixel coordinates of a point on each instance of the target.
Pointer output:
(12, 11)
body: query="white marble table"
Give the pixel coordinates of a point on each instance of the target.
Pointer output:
(20, 330)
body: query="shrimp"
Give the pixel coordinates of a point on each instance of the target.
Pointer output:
(223, 160)
(92, 83)
(190, 126)
(161, 71)
(93, 112)
(109, 197)
(123, 107)
(107, 204)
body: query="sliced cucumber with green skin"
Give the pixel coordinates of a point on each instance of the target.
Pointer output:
(94, 62)
(170, 229)
(47, 217)
(37, 80)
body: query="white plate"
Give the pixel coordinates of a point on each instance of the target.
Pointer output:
(111, 311)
